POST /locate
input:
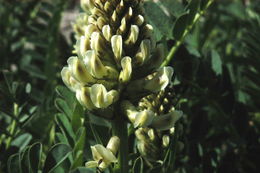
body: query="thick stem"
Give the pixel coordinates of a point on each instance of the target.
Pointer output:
(120, 129)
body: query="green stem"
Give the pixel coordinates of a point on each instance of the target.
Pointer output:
(119, 129)
(187, 30)
(12, 126)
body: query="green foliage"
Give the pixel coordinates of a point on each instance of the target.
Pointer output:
(215, 54)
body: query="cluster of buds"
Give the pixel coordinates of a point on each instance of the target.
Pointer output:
(104, 156)
(154, 117)
(115, 52)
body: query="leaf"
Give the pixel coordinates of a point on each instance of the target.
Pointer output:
(78, 159)
(180, 26)
(200, 150)
(175, 8)
(98, 120)
(161, 23)
(61, 138)
(138, 165)
(66, 94)
(63, 107)
(216, 62)
(13, 164)
(81, 136)
(76, 122)
(78, 150)
(57, 154)
(35, 156)
(22, 141)
(66, 128)
(25, 161)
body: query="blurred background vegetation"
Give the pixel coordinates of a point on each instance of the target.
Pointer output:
(216, 84)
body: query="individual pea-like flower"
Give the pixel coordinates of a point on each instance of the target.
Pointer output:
(154, 117)
(115, 52)
(104, 156)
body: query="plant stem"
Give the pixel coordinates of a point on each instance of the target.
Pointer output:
(12, 126)
(119, 129)
(187, 30)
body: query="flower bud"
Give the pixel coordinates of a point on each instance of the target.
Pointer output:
(108, 7)
(133, 35)
(113, 144)
(148, 30)
(165, 141)
(117, 46)
(89, 29)
(97, 43)
(139, 20)
(143, 53)
(87, 5)
(151, 134)
(122, 28)
(106, 30)
(126, 71)
(172, 130)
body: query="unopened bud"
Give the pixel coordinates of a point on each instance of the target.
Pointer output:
(87, 5)
(117, 46)
(165, 141)
(97, 43)
(126, 72)
(133, 35)
(113, 144)
(143, 53)
(139, 20)
(106, 30)
(122, 28)
(151, 134)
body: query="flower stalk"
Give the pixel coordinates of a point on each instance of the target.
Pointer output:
(119, 128)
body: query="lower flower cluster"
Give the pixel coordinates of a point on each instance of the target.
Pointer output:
(154, 118)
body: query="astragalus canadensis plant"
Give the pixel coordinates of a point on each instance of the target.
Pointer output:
(116, 74)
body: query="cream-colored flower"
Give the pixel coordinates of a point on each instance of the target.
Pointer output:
(102, 156)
